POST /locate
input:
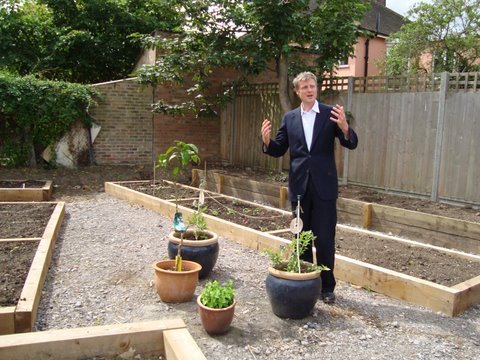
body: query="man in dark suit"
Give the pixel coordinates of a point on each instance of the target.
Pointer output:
(309, 131)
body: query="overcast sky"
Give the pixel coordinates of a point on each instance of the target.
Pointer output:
(402, 6)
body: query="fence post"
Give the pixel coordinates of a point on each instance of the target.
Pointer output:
(439, 138)
(233, 123)
(283, 197)
(345, 151)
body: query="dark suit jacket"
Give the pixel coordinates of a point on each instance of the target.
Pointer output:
(319, 162)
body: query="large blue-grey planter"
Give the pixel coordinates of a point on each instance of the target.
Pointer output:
(292, 295)
(204, 252)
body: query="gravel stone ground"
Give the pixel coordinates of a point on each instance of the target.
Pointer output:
(101, 274)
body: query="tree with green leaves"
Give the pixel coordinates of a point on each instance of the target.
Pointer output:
(84, 41)
(442, 36)
(252, 36)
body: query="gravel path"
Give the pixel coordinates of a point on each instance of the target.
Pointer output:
(101, 274)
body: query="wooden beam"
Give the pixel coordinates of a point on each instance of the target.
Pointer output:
(426, 221)
(376, 234)
(47, 190)
(88, 342)
(28, 194)
(283, 197)
(180, 345)
(394, 284)
(445, 232)
(7, 320)
(367, 216)
(438, 230)
(220, 179)
(246, 189)
(26, 310)
(469, 295)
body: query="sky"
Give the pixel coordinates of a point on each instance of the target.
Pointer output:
(402, 6)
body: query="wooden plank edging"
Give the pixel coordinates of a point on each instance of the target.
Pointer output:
(21, 317)
(448, 300)
(245, 236)
(396, 285)
(446, 232)
(28, 194)
(180, 345)
(144, 338)
(7, 320)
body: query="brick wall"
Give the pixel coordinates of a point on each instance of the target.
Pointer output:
(203, 132)
(124, 114)
(127, 134)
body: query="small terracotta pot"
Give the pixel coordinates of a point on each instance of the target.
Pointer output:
(176, 286)
(216, 321)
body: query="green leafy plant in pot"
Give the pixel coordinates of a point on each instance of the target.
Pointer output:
(198, 244)
(293, 285)
(178, 157)
(176, 280)
(216, 306)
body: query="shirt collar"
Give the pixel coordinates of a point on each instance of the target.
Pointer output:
(315, 108)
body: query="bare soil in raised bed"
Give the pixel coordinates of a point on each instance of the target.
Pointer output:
(19, 221)
(15, 260)
(414, 260)
(72, 185)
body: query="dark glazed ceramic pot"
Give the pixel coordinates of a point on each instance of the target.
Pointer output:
(204, 252)
(292, 295)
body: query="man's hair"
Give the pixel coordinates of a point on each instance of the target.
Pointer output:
(304, 76)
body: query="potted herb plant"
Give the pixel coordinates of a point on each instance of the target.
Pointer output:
(199, 244)
(176, 279)
(293, 285)
(216, 306)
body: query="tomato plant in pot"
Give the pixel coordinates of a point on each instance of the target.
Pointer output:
(293, 286)
(216, 306)
(176, 279)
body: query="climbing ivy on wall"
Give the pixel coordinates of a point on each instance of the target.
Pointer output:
(36, 113)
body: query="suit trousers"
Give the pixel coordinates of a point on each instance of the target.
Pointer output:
(320, 216)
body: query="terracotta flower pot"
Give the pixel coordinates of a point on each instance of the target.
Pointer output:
(204, 252)
(176, 286)
(292, 295)
(216, 321)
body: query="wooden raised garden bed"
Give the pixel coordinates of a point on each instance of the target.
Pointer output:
(25, 190)
(427, 228)
(450, 300)
(168, 338)
(20, 318)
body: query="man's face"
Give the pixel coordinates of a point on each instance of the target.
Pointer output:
(307, 91)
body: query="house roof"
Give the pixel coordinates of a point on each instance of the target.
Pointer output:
(382, 20)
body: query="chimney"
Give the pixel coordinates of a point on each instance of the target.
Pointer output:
(384, 2)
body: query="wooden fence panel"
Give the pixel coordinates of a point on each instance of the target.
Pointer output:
(460, 162)
(397, 134)
(396, 141)
(366, 163)
(241, 123)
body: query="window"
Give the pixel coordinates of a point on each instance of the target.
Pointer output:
(343, 62)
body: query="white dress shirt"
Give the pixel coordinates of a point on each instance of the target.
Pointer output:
(308, 121)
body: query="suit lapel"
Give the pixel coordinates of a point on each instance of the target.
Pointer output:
(298, 126)
(320, 122)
